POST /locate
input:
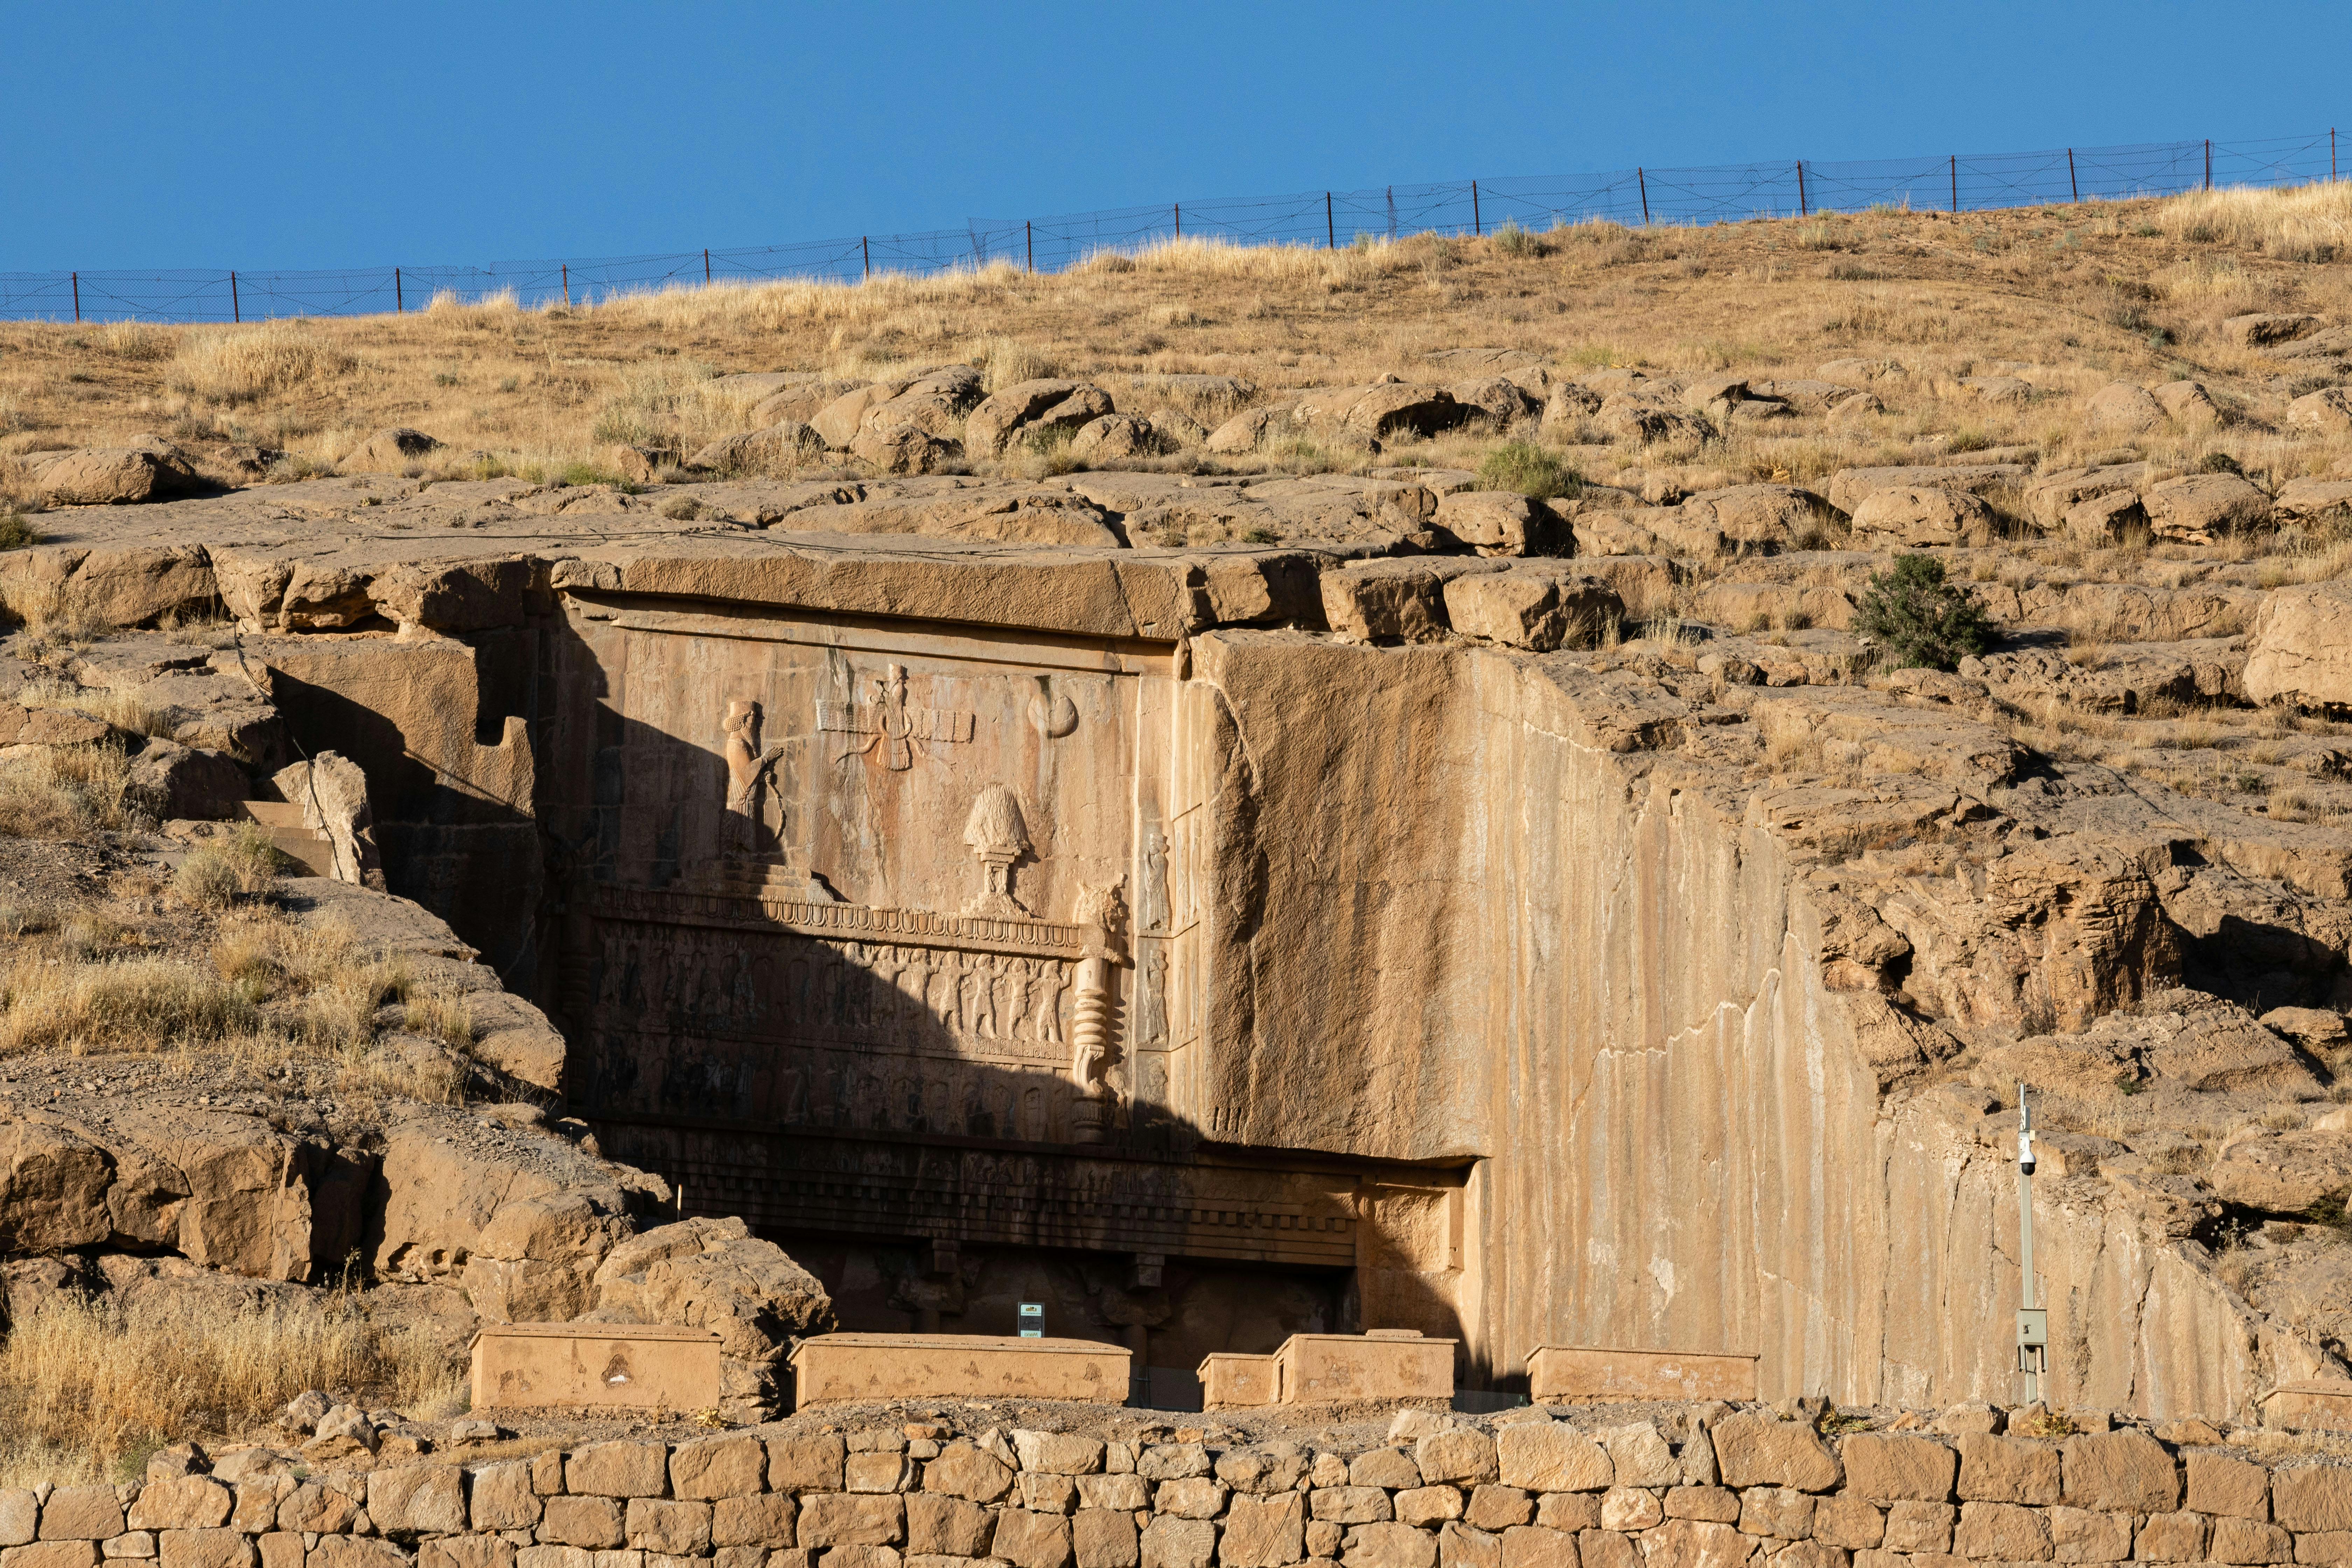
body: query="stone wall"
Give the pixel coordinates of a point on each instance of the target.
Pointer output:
(1704, 1486)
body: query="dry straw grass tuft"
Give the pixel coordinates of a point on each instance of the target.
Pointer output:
(241, 365)
(65, 792)
(2304, 223)
(88, 1391)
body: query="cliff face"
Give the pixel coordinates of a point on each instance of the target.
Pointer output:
(1552, 918)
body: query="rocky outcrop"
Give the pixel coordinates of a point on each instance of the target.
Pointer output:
(2302, 647)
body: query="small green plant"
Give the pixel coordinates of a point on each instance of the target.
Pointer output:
(1530, 469)
(2219, 463)
(1258, 533)
(15, 533)
(1513, 240)
(2128, 1081)
(1921, 619)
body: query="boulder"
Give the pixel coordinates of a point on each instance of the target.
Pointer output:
(2195, 507)
(906, 449)
(1400, 408)
(148, 469)
(1115, 437)
(52, 1185)
(1917, 516)
(838, 422)
(798, 401)
(2313, 500)
(2328, 410)
(1999, 388)
(1499, 400)
(1849, 487)
(1030, 406)
(1629, 416)
(1385, 601)
(2104, 520)
(2263, 328)
(1807, 395)
(536, 1260)
(1177, 428)
(1245, 432)
(1502, 522)
(2122, 407)
(1772, 515)
(2189, 405)
(2048, 497)
(1533, 610)
(333, 793)
(713, 1274)
(2301, 650)
(392, 450)
(189, 781)
(641, 465)
(778, 452)
(1858, 372)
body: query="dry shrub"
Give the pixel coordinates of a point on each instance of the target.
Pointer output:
(442, 1012)
(124, 1004)
(65, 792)
(2301, 223)
(88, 1389)
(239, 364)
(1003, 363)
(134, 341)
(230, 865)
(121, 709)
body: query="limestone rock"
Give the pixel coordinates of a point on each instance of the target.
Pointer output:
(113, 476)
(1999, 388)
(1032, 407)
(189, 782)
(2049, 497)
(1849, 487)
(2285, 1173)
(1536, 612)
(1115, 437)
(2301, 651)
(2189, 405)
(1498, 399)
(1913, 517)
(333, 796)
(2195, 507)
(1757, 1449)
(1629, 416)
(1502, 522)
(2328, 410)
(2314, 501)
(778, 452)
(905, 449)
(2124, 406)
(392, 450)
(798, 401)
(1550, 1456)
(713, 1274)
(2261, 330)
(2104, 520)
(1245, 431)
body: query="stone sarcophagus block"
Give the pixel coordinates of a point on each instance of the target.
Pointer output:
(1385, 1363)
(831, 1367)
(1231, 1380)
(587, 1365)
(1604, 1375)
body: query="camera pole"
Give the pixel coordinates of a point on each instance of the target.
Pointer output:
(2033, 1321)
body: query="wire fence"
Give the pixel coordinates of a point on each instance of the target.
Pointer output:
(1953, 181)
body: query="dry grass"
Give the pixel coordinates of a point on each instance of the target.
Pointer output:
(239, 864)
(65, 792)
(86, 1391)
(243, 364)
(2309, 223)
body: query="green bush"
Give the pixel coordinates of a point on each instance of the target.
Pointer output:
(1531, 470)
(1919, 618)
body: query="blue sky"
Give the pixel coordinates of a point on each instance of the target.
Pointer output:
(286, 136)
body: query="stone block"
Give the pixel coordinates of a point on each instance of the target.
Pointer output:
(1640, 1457)
(1607, 1549)
(1262, 1468)
(1324, 1540)
(1232, 1380)
(2226, 1487)
(283, 1548)
(1430, 1506)
(765, 1520)
(504, 1498)
(1757, 1448)
(2246, 1541)
(132, 1545)
(831, 1557)
(711, 1468)
(1174, 1461)
(2084, 1535)
(1349, 1505)
(1592, 1374)
(947, 1526)
(1920, 1527)
(1392, 1467)
(1550, 1456)
(589, 1522)
(1128, 1491)
(1043, 1492)
(1892, 1467)
(1455, 1454)
(463, 1552)
(880, 1472)
(963, 1470)
(843, 1519)
(82, 1513)
(807, 1464)
(1268, 1532)
(1780, 1512)
(553, 1557)
(1720, 1504)
(1105, 1537)
(2006, 1470)
(319, 1508)
(191, 1502)
(257, 1502)
(2128, 1472)
(2324, 1546)
(1695, 1544)
(1172, 1543)
(20, 1515)
(873, 1367)
(1195, 1497)
(1464, 1546)
(637, 1366)
(1380, 605)
(547, 1472)
(2007, 1531)
(74, 1553)
(358, 1551)
(418, 1499)
(674, 1529)
(1058, 1453)
(1491, 1507)
(1321, 1367)
(1029, 1540)
(1848, 1523)
(618, 1469)
(1573, 1511)
(2171, 1538)
(1392, 1545)
(217, 1548)
(1630, 1509)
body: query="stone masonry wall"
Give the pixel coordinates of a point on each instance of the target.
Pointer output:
(1704, 1486)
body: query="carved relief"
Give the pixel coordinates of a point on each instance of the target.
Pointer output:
(889, 724)
(998, 838)
(1054, 716)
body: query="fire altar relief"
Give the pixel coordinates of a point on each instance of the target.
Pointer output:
(834, 881)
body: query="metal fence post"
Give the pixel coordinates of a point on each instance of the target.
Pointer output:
(866, 250)
(1330, 234)
(1029, 234)
(1388, 192)
(399, 304)
(1802, 211)
(2072, 188)
(1477, 225)
(567, 285)
(1179, 210)
(235, 311)
(2331, 154)
(77, 285)
(706, 265)
(1643, 180)
(1956, 183)
(2208, 163)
